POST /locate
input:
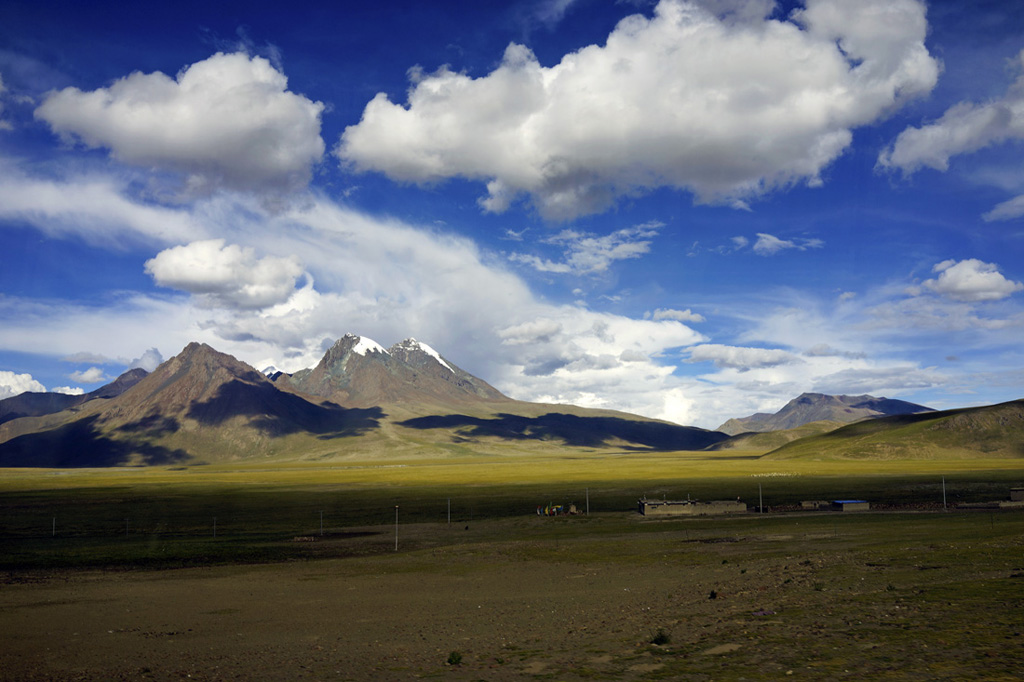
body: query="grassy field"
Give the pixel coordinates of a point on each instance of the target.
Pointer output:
(185, 515)
(224, 572)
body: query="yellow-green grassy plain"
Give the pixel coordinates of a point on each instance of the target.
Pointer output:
(619, 468)
(260, 590)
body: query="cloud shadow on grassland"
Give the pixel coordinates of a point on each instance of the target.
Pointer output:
(278, 413)
(81, 444)
(575, 430)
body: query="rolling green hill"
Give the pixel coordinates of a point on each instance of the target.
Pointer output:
(990, 432)
(771, 440)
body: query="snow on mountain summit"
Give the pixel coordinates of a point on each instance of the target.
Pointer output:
(410, 345)
(364, 345)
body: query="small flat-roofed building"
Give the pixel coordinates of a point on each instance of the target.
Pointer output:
(850, 505)
(815, 504)
(689, 507)
(1017, 494)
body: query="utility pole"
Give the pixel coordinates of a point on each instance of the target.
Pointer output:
(321, 522)
(588, 501)
(760, 500)
(396, 527)
(944, 494)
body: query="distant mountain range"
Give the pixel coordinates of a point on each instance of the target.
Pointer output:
(360, 400)
(991, 431)
(39, 404)
(816, 407)
(366, 401)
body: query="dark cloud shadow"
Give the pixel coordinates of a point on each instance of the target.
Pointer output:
(574, 430)
(278, 413)
(81, 444)
(153, 424)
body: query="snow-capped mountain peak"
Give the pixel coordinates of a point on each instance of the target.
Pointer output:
(364, 345)
(411, 344)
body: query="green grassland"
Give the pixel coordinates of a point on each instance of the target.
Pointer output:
(224, 514)
(995, 431)
(904, 592)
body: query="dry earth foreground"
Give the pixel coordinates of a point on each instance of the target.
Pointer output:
(880, 596)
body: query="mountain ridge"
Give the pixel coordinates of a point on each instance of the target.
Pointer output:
(815, 407)
(990, 431)
(204, 405)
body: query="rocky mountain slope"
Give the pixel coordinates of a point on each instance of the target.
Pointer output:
(359, 372)
(815, 407)
(360, 400)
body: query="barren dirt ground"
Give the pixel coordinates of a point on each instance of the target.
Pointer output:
(729, 603)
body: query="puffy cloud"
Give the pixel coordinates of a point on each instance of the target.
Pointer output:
(737, 357)
(769, 245)
(12, 384)
(727, 107)
(972, 281)
(965, 127)
(679, 315)
(149, 360)
(228, 120)
(93, 375)
(589, 254)
(69, 390)
(227, 276)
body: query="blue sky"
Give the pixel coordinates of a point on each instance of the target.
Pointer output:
(687, 210)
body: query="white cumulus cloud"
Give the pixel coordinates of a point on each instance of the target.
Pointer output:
(678, 315)
(148, 361)
(228, 120)
(12, 384)
(971, 280)
(93, 375)
(226, 275)
(725, 105)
